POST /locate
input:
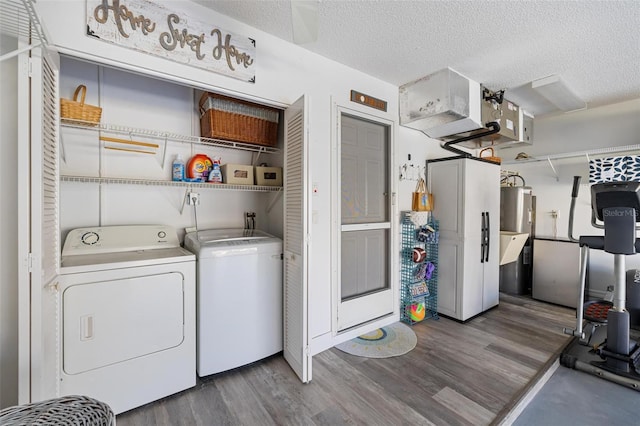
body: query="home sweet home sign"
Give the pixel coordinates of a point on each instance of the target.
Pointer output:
(151, 28)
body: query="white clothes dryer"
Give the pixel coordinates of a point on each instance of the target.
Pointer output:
(239, 282)
(127, 315)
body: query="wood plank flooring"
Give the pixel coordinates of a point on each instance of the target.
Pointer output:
(458, 374)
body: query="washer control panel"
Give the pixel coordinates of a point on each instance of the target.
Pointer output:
(112, 239)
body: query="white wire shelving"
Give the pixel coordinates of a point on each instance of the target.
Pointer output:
(167, 136)
(18, 19)
(169, 183)
(132, 132)
(587, 154)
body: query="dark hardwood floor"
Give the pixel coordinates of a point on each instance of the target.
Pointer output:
(458, 374)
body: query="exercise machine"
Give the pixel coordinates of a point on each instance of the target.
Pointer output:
(615, 207)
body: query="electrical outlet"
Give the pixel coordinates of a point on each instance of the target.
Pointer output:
(193, 198)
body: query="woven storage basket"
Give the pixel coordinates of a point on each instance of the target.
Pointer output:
(237, 120)
(490, 157)
(63, 411)
(79, 112)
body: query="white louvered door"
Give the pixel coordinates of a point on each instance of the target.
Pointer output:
(45, 244)
(296, 335)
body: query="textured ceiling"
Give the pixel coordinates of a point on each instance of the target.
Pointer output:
(593, 45)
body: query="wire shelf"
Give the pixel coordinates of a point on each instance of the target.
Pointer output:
(151, 182)
(416, 289)
(165, 136)
(587, 153)
(18, 19)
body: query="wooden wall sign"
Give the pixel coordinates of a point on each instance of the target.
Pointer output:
(150, 27)
(369, 101)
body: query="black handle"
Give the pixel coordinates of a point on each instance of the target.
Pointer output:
(488, 234)
(576, 186)
(482, 239)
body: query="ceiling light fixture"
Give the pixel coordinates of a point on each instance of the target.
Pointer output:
(545, 95)
(553, 89)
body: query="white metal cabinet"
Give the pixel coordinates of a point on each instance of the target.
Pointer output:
(466, 201)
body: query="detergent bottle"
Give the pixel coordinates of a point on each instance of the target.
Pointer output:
(215, 176)
(178, 169)
(199, 167)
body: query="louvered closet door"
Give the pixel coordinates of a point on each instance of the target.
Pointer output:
(45, 244)
(296, 337)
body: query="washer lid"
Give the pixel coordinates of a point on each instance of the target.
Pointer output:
(195, 240)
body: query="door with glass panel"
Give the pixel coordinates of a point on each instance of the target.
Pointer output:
(365, 290)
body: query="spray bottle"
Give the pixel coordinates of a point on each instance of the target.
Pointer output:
(178, 169)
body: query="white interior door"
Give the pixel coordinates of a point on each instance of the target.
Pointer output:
(365, 290)
(296, 330)
(38, 201)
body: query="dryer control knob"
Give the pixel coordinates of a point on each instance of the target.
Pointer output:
(90, 238)
(162, 234)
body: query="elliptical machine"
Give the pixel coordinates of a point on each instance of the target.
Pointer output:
(617, 358)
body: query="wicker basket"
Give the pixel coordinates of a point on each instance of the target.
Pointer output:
(237, 120)
(490, 157)
(63, 411)
(79, 112)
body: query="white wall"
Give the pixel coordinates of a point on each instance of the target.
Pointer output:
(8, 227)
(596, 128)
(421, 148)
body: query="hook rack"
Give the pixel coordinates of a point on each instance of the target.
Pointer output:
(411, 172)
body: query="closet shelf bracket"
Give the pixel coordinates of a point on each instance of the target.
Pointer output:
(273, 201)
(554, 169)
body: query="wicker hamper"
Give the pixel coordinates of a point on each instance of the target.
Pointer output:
(63, 411)
(77, 111)
(237, 120)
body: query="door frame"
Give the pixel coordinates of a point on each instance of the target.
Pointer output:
(382, 118)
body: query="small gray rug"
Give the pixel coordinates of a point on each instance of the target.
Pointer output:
(393, 340)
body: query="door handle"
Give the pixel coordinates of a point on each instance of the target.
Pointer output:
(482, 238)
(488, 234)
(86, 327)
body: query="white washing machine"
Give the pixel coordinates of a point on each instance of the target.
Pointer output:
(239, 297)
(127, 315)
